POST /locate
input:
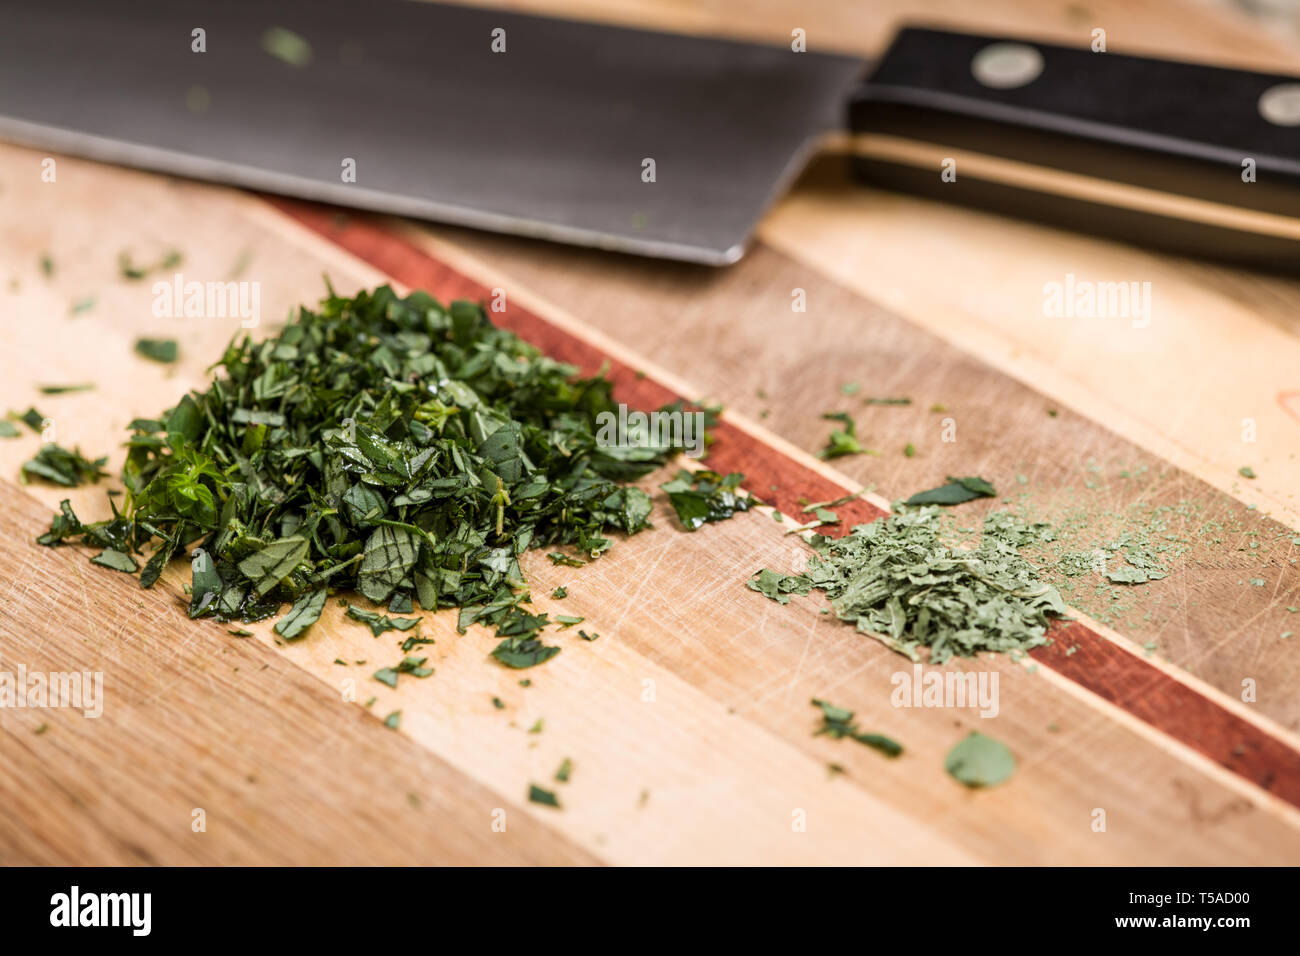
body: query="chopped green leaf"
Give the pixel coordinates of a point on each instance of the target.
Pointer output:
(843, 441)
(409, 665)
(545, 797)
(705, 496)
(64, 389)
(56, 464)
(838, 722)
(158, 350)
(32, 419)
(304, 613)
(520, 653)
(779, 587)
(380, 623)
(955, 492)
(116, 560)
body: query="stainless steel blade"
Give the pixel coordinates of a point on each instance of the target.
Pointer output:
(547, 138)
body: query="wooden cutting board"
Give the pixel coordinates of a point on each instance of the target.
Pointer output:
(688, 723)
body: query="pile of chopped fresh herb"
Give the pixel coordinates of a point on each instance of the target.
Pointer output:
(901, 579)
(392, 446)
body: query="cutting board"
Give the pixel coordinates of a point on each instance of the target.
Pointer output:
(1172, 720)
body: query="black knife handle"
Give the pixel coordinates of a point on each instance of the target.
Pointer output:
(1197, 159)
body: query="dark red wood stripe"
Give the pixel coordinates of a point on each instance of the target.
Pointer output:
(1097, 664)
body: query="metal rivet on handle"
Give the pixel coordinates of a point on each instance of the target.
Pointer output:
(1004, 66)
(1280, 104)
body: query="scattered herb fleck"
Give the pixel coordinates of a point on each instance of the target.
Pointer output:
(381, 623)
(31, 418)
(842, 441)
(409, 665)
(56, 464)
(116, 560)
(158, 350)
(545, 797)
(779, 587)
(286, 46)
(520, 653)
(65, 389)
(705, 496)
(955, 492)
(838, 722)
(980, 761)
(130, 270)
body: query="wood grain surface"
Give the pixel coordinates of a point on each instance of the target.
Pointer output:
(688, 722)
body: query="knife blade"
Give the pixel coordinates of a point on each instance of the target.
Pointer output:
(650, 143)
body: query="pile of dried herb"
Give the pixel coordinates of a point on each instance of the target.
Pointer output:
(901, 578)
(396, 447)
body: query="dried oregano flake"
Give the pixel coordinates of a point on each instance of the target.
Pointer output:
(902, 580)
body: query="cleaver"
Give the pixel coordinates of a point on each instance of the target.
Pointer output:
(643, 142)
